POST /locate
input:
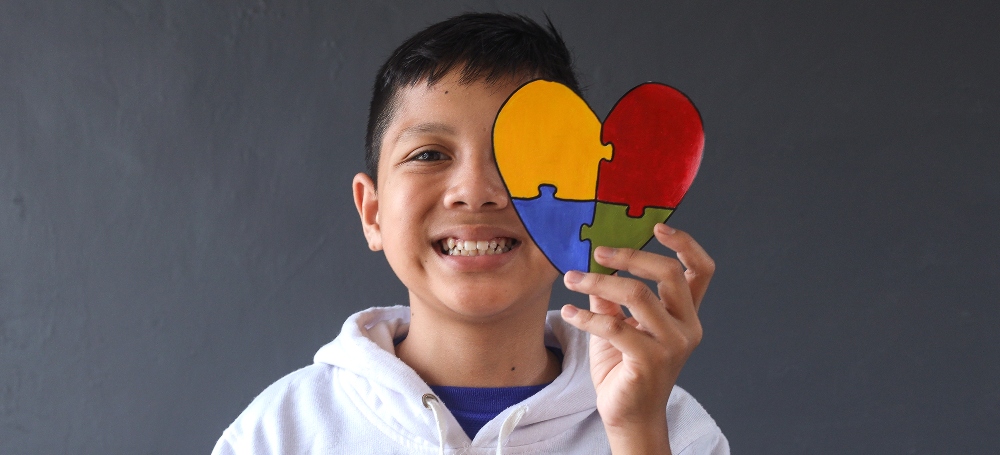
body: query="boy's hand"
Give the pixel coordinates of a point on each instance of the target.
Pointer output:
(635, 361)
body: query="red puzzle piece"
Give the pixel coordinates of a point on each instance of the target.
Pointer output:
(658, 139)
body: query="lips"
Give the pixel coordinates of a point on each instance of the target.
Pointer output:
(453, 246)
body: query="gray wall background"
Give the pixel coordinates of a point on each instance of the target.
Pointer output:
(177, 231)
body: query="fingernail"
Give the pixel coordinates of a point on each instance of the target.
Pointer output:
(664, 229)
(573, 277)
(569, 311)
(604, 252)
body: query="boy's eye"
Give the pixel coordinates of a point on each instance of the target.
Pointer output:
(428, 155)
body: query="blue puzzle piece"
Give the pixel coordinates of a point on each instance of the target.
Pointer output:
(554, 225)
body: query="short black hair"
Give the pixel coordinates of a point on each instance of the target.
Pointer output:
(487, 46)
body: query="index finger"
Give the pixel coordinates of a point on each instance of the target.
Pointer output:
(673, 290)
(700, 266)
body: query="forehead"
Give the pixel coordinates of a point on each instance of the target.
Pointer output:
(449, 106)
(451, 92)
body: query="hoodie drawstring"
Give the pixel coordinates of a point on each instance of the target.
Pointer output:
(508, 426)
(432, 402)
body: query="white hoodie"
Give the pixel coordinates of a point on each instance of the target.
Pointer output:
(358, 397)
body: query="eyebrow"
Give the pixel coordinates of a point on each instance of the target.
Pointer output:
(425, 128)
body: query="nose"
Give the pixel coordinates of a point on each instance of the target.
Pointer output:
(475, 184)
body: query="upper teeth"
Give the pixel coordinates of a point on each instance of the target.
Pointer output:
(459, 247)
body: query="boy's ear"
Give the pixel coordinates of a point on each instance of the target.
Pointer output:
(366, 201)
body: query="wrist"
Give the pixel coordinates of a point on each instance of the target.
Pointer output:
(644, 437)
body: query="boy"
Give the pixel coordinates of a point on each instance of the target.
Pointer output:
(475, 364)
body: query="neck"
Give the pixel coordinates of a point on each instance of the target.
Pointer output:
(503, 351)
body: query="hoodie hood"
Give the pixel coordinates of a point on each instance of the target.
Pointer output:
(391, 394)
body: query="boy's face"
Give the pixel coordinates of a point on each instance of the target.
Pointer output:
(438, 185)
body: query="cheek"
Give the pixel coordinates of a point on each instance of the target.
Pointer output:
(405, 258)
(399, 212)
(549, 271)
(404, 229)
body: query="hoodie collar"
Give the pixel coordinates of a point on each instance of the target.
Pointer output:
(390, 393)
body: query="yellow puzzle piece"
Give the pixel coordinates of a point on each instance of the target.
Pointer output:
(549, 135)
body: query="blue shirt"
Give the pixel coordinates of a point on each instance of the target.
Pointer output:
(474, 406)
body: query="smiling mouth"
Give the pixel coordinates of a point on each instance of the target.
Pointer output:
(458, 247)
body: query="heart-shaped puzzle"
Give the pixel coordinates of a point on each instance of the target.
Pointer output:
(578, 184)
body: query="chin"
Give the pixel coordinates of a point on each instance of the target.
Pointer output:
(480, 302)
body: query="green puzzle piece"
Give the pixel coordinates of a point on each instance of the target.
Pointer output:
(613, 227)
